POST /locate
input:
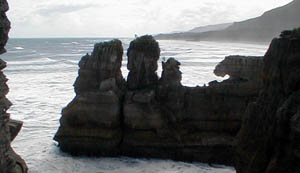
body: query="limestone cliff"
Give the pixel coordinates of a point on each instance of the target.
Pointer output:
(268, 141)
(10, 162)
(148, 116)
(91, 124)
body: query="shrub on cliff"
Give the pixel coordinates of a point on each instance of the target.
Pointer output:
(290, 33)
(296, 32)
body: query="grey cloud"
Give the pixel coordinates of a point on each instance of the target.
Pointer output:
(118, 17)
(203, 15)
(62, 9)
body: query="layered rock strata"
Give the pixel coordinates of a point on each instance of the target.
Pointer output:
(91, 123)
(148, 116)
(143, 54)
(268, 141)
(10, 162)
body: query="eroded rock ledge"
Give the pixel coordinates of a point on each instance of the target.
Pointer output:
(10, 162)
(241, 67)
(150, 117)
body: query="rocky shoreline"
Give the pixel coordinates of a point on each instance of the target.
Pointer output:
(148, 116)
(250, 121)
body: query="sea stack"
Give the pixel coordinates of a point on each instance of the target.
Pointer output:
(10, 162)
(143, 54)
(148, 116)
(91, 123)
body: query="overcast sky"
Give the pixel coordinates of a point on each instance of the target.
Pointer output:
(124, 18)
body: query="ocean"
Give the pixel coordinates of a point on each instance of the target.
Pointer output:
(41, 74)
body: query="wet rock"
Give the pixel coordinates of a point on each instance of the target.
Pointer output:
(90, 124)
(269, 138)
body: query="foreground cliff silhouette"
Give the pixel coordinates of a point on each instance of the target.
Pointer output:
(10, 162)
(148, 116)
(269, 140)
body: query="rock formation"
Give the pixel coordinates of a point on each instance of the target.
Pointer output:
(148, 116)
(244, 71)
(268, 141)
(4, 25)
(143, 54)
(90, 124)
(240, 67)
(10, 162)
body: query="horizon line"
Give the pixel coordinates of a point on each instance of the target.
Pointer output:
(50, 37)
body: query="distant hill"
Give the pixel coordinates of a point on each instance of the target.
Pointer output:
(263, 28)
(210, 28)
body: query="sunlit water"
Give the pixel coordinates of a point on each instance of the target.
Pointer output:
(41, 73)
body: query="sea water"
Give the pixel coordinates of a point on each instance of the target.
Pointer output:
(41, 73)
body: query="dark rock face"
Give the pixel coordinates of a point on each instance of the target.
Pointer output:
(10, 162)
(171, 75)
(151, 117)
(101, 70)
(4, 25)
(244, 71)
(90, 124)
(240, 67)
(269, 138)
(143, 53)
